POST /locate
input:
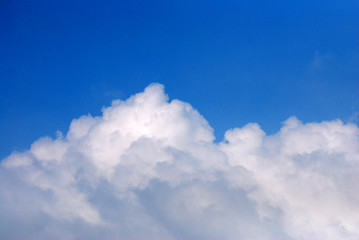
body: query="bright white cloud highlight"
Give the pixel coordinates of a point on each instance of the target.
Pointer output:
(149, 169)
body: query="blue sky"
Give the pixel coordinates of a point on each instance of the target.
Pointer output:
(151, 167)
(235, 61)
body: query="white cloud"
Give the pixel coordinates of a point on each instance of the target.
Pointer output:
(149, 169)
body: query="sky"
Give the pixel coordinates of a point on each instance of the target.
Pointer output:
(179, 119)
(234, 61)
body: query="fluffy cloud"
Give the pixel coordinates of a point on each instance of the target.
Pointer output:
(149, 169)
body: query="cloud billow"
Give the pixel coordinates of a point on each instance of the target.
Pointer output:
(150, 169)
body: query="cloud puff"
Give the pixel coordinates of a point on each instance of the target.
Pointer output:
(149, 169)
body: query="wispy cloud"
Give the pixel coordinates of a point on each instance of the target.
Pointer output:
(321, 61)
(149, 169)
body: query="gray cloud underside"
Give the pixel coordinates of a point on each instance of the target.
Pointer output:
(149, 169)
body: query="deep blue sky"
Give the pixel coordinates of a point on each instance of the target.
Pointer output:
(234, 61)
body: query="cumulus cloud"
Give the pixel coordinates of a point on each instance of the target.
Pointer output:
(150, 169)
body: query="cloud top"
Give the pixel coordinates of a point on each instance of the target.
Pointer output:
(149, 169)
